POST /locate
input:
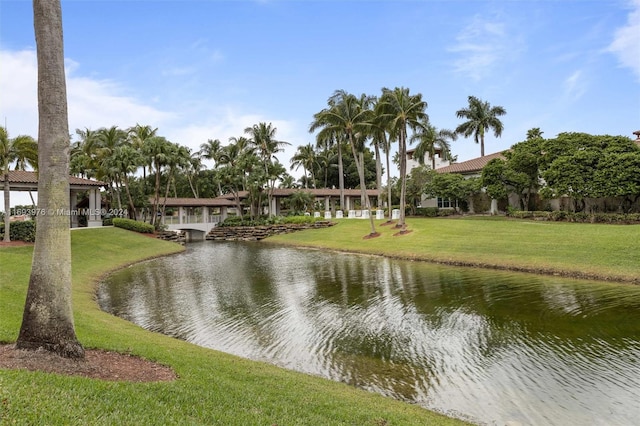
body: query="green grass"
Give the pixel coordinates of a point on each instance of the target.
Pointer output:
(607, 252)
(213, 388)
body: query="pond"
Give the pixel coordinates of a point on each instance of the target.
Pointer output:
(487, 346)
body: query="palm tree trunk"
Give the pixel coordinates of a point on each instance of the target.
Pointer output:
(340, 175)
(132, 208)
(378, 171)
(403, 176)
(47, 320)
(7, 208)
(363, 184)
(388, 151)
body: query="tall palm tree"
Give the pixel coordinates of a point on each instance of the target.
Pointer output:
(382, 133)
(211, 150)
(327, 139)
(84, 161)
(430, 139)
(23, 151)
(404, 111)
(47, 320)
(349, 117)
(481, 117)
(138, 137)
(306, 158)
(157, 150)
(125, 160)
(263, 138)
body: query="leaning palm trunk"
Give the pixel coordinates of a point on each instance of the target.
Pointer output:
(47, 321)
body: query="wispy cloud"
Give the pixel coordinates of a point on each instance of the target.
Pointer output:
(626, 42)
(481, 45)
(574, 86)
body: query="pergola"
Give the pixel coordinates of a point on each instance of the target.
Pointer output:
(20, 180)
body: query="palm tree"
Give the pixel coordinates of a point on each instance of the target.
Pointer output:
(157, 150)
(47, 320)
(211, 150)
(534, 133)
(263, 138)
(22, 150)
(382, 133)
(138, 137)
(306, 158)
(480, 116)
(404, 111)
(327, 139)
(349, 117)
(125, 160)
(84, 154)
(431, 139)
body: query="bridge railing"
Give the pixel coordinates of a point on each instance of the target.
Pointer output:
(186, 219)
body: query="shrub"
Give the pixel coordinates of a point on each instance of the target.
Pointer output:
(274, 220)
(133, 225)
(21, 231)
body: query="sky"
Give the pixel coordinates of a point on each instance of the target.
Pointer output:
(206, 69)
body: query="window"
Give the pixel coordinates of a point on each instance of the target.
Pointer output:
(444, 203)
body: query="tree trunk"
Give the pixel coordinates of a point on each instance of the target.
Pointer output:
(7, 204)
(402, 139)
(388, 148)
(378, 171)
(132, 207)
(340, 175)
(47, 321)
(363, 184)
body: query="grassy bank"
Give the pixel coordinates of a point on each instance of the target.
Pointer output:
(213, 388)
(607, 252)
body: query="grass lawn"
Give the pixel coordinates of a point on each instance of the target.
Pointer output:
(213, 388)
(607, 252)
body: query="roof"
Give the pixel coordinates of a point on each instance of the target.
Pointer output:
(31, 178)
(470, 166)
(316, 192)
(195, 202)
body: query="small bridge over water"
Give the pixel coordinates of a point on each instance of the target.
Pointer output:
(195, 216)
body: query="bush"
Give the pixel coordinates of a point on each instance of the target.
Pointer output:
(274, 220)
(427, 211)
(21, 231)
(133, 225)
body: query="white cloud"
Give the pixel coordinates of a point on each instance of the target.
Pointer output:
(481, 45)
(626, 42)
(104, 103)
(92, 103)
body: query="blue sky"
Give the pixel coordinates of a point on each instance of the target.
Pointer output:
(201, 70)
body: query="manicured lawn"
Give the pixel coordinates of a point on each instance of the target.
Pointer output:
(213, 388)
(582, 250)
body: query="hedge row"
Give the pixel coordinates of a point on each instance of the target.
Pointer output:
(274, 220)
(21, 231)
(133, 225)
(432, 212)
(579, 217)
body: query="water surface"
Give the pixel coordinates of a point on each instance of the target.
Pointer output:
(489, 346)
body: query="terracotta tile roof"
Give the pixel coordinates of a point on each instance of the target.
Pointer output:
(21, 176)
(470, 166)
(195, 202)
(318, 192)
(322, 192)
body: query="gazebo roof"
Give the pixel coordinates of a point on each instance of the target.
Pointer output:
(20, 179)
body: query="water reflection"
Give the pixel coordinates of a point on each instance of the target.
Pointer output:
(491, 346)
